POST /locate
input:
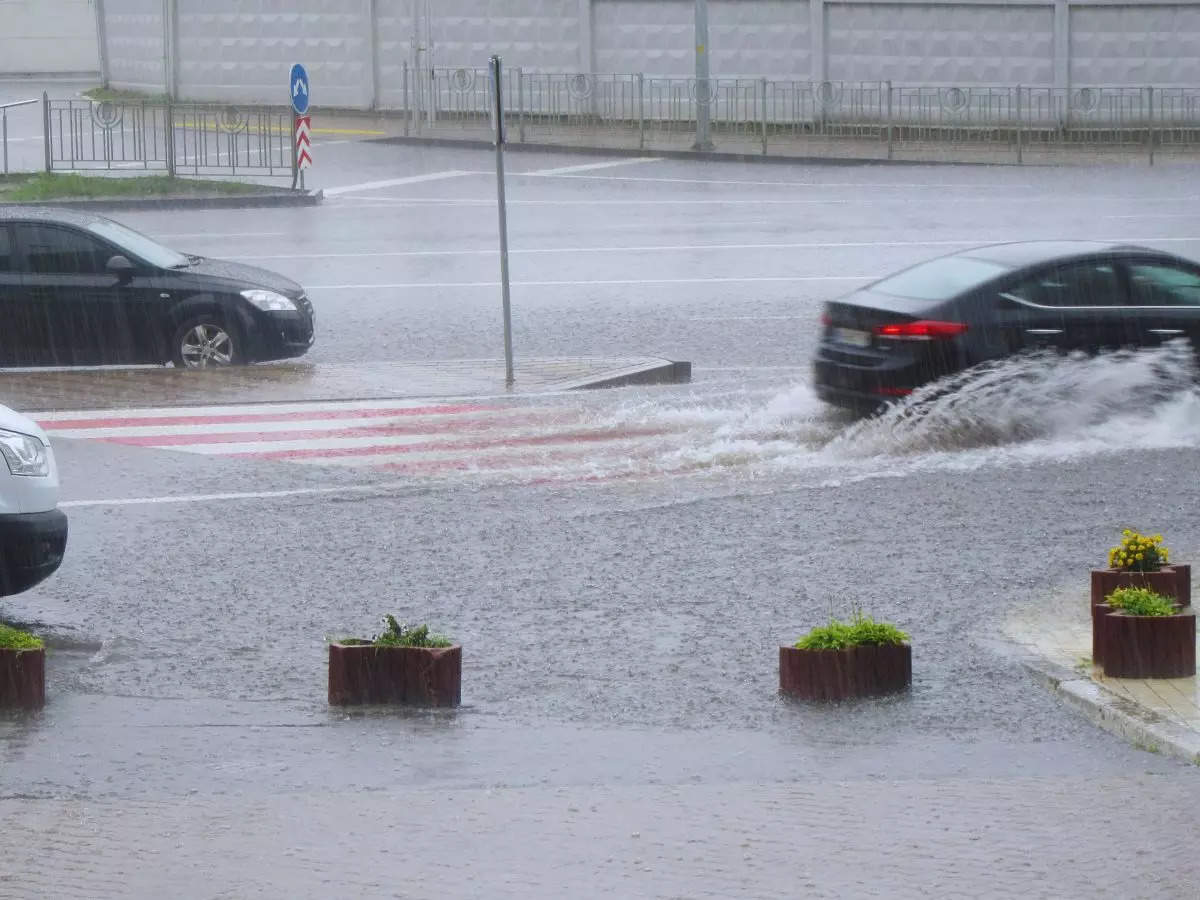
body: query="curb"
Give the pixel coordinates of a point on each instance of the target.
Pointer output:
(226, 201)
(1139, 726)
(708, 155)
(670, 372)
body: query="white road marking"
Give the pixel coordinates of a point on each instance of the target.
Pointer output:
(566, 173)
(1187, 215)
(221, 234)
(678, 248)
(393, 182)
(585, 167)
(247, 495)
(492, 284)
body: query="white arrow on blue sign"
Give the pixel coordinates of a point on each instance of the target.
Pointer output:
(298, 88)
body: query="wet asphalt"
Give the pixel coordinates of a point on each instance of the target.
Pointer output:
(622, 632)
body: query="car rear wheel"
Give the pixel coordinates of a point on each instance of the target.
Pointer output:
(206, 342)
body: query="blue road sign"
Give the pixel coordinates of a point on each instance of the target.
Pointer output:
(298, 89)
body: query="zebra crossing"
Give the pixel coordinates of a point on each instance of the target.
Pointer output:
(413, 437)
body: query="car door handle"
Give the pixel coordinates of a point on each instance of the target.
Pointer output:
(1043, 331)
(1166, 331)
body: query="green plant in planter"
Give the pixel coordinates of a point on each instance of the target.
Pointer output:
(14, 639)
(398, 634)
(859, 631)
(1140, 601)
(1138, 552)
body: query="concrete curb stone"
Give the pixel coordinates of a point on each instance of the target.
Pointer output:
(266, 199)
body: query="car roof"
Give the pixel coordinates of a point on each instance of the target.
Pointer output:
(1027, 253)
(13, 213)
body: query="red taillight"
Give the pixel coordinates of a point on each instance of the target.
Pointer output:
(893, 391)
(923, 330)
(826, 319)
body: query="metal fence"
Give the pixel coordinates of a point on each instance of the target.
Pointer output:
(641, 110)
(175, 138)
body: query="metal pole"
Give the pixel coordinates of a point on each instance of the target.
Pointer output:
(889, 118)
(46, 129)
(703, 130)
(404, 88)
(1150, 123)
(1020, 155)
(498, 125)
(520, 105)
(641, 86)
(4, 138)
(763, 85)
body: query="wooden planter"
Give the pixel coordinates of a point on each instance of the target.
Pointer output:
(866, 671)
(413, 676)
(22, 679)
(1100, 613)
(1170, 581)
(1149, 646)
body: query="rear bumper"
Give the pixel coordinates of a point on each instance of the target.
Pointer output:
(31, 548)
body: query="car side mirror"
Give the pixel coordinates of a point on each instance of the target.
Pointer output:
(120, 266)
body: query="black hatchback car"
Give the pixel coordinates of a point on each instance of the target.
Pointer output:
(80, 289)
(945, 315)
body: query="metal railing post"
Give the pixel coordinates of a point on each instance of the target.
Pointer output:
(404, 90)
(169, 139)
(4, 137)
(889, 118)
(641, 86)
(763, 84)
(520, 105)
(46, 127)
(1020, 154)
(1150, 123)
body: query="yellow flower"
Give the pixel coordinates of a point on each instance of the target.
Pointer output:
(1138, 557)
(1127, 532)
(1158, 538)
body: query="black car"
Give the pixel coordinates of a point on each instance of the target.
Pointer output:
(80, 289)
(945, 315)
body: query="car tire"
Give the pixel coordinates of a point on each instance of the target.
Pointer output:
(207, 341)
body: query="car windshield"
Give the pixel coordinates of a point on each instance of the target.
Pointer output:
(940, 279)
(138, 245)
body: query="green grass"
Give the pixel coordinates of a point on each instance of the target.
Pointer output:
(103, 93)
(859, 631)
(12, 639)
(53, 186)
(1137, 601)
(399, 635)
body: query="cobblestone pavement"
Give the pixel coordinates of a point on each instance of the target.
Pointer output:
(1122, 836)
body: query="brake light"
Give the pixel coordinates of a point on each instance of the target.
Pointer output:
(826, 319)
(893, 391)
(923, 330)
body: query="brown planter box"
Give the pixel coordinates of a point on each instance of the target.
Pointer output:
(1100, 613)
(414, 676)
(23, 679)
(1150, 646)
(866, 671)
(1170, 581)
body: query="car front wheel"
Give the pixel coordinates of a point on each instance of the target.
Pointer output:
(206, 342)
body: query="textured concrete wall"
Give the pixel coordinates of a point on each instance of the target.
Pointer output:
(1147, 45)
(48, 36)
(357, 50)
(923, 43)
(746, 37)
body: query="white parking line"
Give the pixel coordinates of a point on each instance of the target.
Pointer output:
(384, 487)
(394, 182)
(585, 167)
(839, 185)
(493, 284)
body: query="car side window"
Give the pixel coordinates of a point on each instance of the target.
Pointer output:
(6, 249)
(1160, 284)
(50, 250)
(1092, 283)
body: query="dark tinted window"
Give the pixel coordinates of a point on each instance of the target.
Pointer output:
(50, 250)
(1157, 284)
(6, 252)
(1077, 284)
(940, 279)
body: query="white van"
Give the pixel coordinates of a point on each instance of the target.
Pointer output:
(33, 531)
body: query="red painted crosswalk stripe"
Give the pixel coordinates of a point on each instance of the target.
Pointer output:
(545, 442)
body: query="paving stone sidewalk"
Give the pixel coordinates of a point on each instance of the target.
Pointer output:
(1159, 714)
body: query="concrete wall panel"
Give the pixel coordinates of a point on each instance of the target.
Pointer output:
(1122, 45)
